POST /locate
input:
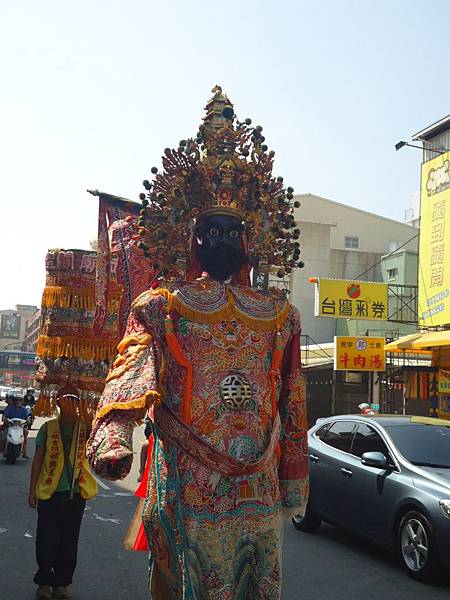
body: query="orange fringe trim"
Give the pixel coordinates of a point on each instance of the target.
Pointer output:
(45, 406)
(67, 297)
(227, 311)
(142, 404)
(73, 347)
(81, 409)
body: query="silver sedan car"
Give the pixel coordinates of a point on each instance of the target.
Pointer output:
(387, 478)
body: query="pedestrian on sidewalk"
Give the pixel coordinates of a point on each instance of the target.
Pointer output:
(59, 492)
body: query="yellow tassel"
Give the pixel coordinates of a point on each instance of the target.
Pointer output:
(45, 406)
(72, 347)
(82, 298)
(140, 404)
(226, 312)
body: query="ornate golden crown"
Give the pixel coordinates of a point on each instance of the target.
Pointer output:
(226, 169)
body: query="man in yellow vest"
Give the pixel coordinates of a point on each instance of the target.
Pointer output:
(61, 482)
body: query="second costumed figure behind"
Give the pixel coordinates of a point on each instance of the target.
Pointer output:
(216, 365)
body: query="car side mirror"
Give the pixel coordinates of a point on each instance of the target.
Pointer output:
(374, 459)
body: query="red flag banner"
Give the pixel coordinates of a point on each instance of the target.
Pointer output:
(118, 256)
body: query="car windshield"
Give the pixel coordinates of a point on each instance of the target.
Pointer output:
(423, 445)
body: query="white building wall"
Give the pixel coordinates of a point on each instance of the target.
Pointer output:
(324, 225)
(374, 231)
(315, 241)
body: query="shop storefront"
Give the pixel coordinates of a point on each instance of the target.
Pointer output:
(429, 384)
(17, 369)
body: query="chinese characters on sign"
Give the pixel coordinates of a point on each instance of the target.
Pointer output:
(359, 354)
(434, 302)
(444, 382)
(346, 299)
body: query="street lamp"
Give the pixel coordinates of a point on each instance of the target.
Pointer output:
(401, 143)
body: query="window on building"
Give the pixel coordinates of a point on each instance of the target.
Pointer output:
(351, 241)
(392, 274)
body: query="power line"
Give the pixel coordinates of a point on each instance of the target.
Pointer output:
(386, 255)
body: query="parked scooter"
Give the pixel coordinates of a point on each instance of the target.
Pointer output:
(14, 439)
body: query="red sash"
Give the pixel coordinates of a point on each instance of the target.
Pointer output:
(172, 428)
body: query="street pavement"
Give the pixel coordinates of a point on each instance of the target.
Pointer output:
(328, 564)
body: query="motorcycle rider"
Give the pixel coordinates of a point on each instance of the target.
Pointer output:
(365, 409)
(29, 403)
(16, 410)
(29, 398)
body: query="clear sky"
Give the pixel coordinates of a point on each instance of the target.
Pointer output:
(92, 91)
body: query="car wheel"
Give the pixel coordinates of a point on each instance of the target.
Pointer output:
(417, 547)
(309, 522)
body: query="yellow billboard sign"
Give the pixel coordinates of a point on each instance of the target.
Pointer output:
(359, 353)
(434, 250)
(348, 299)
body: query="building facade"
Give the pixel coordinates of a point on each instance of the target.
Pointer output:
(435, 138)
(32, 332)
(400, 271)
(14, 324)
(341, 242)
(17, 368)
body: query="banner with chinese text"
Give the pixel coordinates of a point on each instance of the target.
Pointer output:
(434, 250)
(359, 353)
(348, 299)
(10, 326)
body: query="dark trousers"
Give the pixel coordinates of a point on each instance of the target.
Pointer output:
(58, 527)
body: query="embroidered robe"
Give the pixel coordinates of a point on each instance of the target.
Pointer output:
(229, 435)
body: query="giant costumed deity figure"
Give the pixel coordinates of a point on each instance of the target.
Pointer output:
(216, 364)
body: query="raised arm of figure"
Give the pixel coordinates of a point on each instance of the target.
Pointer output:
(131, 388)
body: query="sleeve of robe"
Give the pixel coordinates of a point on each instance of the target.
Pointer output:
(132, 387)
(293, 466)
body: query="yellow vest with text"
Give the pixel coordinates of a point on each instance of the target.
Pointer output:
(53, 464)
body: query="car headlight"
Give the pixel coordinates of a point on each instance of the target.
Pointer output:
(444, 505)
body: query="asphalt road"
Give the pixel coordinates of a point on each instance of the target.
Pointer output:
(328, 564)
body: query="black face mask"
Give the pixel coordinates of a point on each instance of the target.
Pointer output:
(220, 250)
